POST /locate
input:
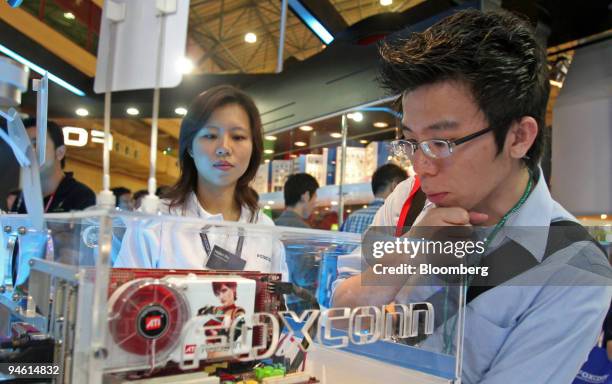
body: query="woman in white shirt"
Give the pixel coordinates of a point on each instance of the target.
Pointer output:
(220, 149)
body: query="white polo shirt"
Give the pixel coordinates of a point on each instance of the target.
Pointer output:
(173, 244)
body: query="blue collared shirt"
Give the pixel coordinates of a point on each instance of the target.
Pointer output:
(521, 332)
(360, 220)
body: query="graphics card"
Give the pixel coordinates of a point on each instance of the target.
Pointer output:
(157, 317)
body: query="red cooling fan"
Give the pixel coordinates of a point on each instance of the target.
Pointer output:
(147, 316)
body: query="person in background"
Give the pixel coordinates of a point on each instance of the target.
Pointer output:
(11, 197)
(300, 194)
(61, 191)
(384, 181)
(123, 198)
(162, 190)
(220, 150)
(138, 196)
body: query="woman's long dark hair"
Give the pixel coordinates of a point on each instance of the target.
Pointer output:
(199, 113)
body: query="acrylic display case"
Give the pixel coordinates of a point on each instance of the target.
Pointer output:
(208, 300)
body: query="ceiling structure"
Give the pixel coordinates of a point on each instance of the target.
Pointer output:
(216, 45)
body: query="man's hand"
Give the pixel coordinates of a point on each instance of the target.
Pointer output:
(450, 216)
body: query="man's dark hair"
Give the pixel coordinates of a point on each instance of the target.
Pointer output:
(118, 191)
(53, 131)
(494, 53)
(296, 185)
(140, 193)
(385, 175)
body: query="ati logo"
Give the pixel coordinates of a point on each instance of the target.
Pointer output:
(153, 323)
(190, 349)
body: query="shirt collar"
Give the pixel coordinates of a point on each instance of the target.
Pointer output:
(194, 208)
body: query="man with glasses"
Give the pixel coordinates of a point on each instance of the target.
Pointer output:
(474, 89)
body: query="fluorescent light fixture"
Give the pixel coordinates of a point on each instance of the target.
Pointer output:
(380, 124)
(268, 151)
(306, 128)
(250, 38)
(69, 15)
(311, 22)
(82, 112)
(132, 111)
(180, 111)
(385, 3)
(270, 202)
(335, 135)
(15, 56)
(270, 138)
(363, 141)
(184, 65)
(300, 144)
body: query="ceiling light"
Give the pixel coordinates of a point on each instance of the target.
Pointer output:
(69, 15)
(334, 203)
(355, 116)
(335, 135)
(81, 112)
(385, 3)
(266, 207)
(17, 57)
(300, 144)
(270, 202)
(380, 124)
(268, 151)
(363, 141)
(365, 206)
(132, 111)
(604, 216)
(293, 156)
(306, 128)
(557, 84)
(184, 65)
(181, 111)
(250, 38)
(270, 138)
(266, 161)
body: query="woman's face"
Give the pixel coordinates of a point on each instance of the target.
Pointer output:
(226, 296)
(222, 148)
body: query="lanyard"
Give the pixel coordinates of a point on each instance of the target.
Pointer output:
(512, 210)
(208, 249)
(406, 207)
(49, 202)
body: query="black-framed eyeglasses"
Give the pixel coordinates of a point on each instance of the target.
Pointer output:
(432, 148)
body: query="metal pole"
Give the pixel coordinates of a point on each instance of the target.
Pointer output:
(106, 198)
(342, 171)
(281, 39)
